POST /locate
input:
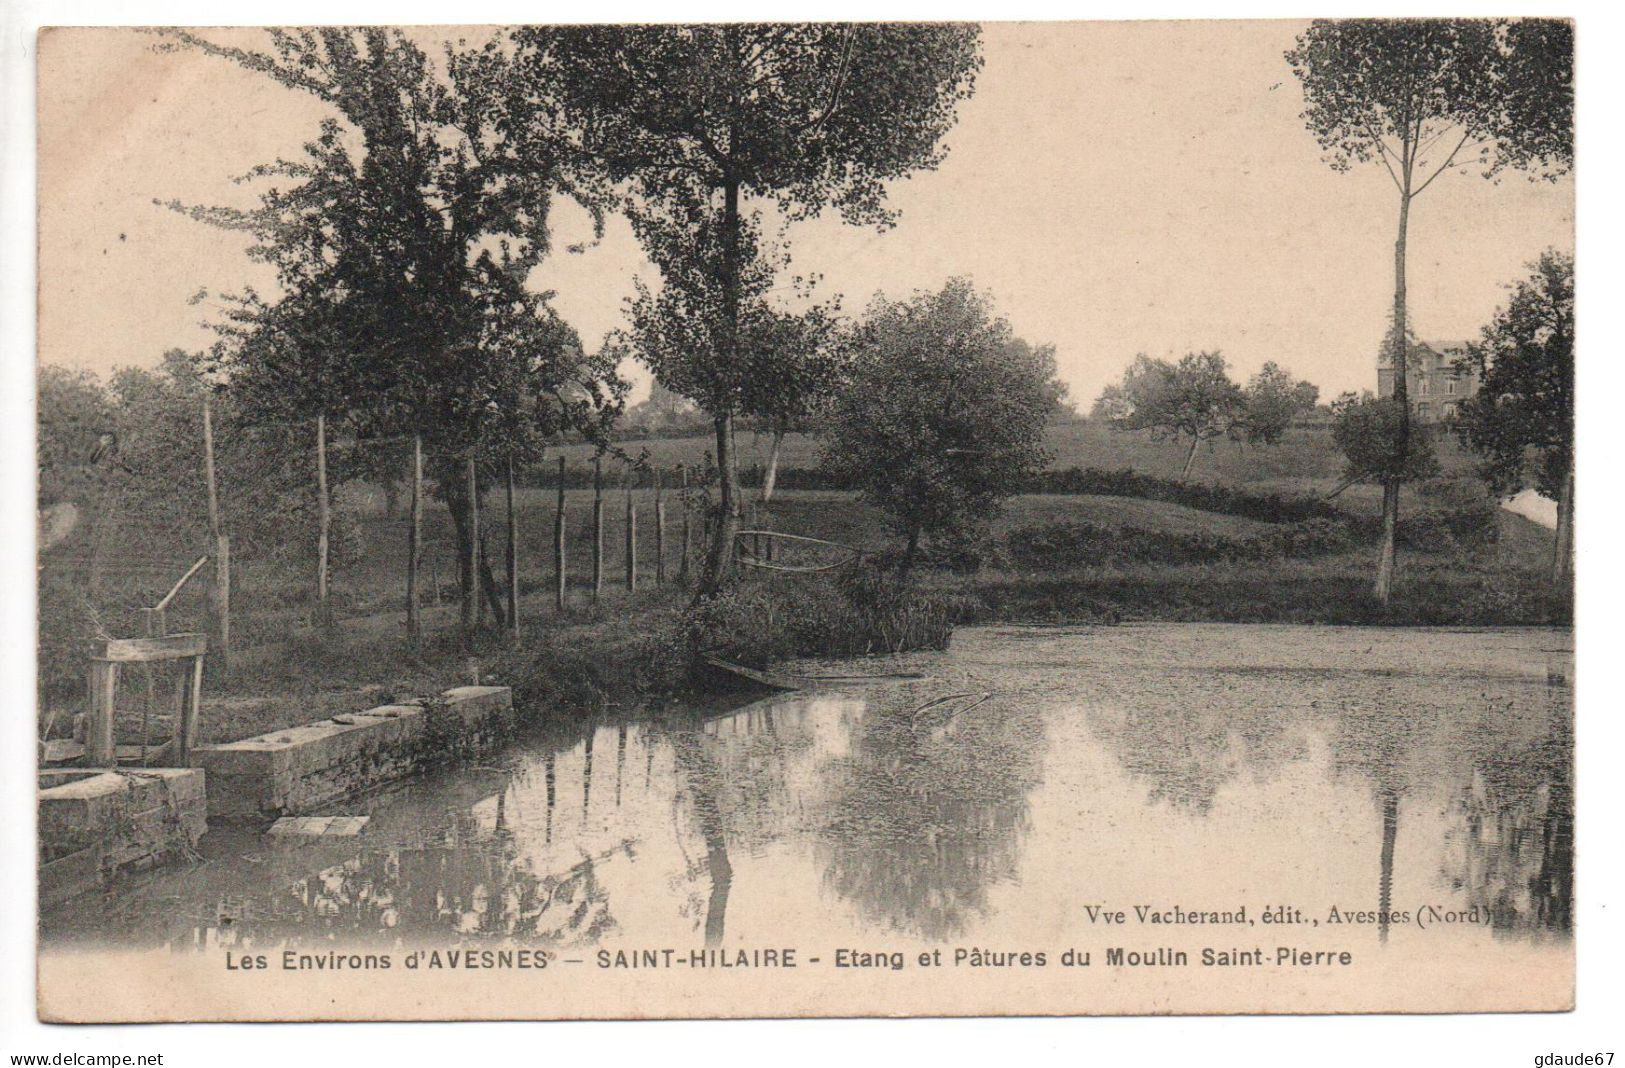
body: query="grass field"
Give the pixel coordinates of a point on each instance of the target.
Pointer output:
(619, 648)
(274, 604)
(1305, 461)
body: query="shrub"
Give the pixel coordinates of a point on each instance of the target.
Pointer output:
(865, 611)
(1082, 544)
(1227, 500)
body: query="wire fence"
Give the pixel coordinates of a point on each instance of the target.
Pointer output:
(361, 535)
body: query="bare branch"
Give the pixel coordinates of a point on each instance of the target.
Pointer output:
(1449, 162)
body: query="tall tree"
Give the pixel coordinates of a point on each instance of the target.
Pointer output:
(696, 119)
(1194, 398)
(1522, 419)
(403, 246)
(1427, 96)
(943, 414)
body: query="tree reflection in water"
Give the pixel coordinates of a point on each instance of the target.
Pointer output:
(1512, 840)
(699, 771)
(925, 817)
(1509, 843)
(1189, 748)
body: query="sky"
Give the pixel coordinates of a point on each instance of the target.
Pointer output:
(1116, 188)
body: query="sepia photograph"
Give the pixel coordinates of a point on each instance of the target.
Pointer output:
(805, 519)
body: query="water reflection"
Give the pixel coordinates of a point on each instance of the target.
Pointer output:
(1510, 848)
(926, 816)
(1022, 779)
(700, 774)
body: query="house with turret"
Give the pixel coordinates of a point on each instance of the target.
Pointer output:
(1435, 385)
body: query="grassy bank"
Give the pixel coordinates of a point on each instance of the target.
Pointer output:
(1134, 545)
(620, 652)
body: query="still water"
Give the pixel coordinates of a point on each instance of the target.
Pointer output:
(1035, 774)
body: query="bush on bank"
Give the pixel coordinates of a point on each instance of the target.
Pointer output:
(1082, 544)
(860, 613)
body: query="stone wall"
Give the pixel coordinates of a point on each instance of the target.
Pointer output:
(96, 825)
(290, 772)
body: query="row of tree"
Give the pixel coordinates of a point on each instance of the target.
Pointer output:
(1196, 398)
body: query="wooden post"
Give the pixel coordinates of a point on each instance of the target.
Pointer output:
(414, 548)
(683, 546)
(101, 681)
(153, 625)
(660, 533)
(220, 592)
(558, 542)
(324, 519)
(513, 559)
(631, 533)
(208, 469)
(597, 526)
(471, 595)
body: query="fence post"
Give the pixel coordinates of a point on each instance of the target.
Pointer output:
(513, 559)
(414, 547)
(631, 533)
(558, 542)
(324, 518)
(220, 592)
(660, 533)
(471, 591)
(597, 526)
(682, 562)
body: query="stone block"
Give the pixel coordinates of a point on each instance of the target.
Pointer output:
(292, 771)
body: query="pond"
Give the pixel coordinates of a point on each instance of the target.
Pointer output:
(1148, 789)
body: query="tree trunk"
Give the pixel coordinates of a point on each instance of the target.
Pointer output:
(324, 520)
(468, 525)
(477, 581)
(719, 563)
(1383, 587)
(720, 559)
(771, 478)
(597, 527)
(910, 551)
(1390, 529)
(512, 560)
(1190, 458)
(414, 546)
(1563, 552)
(558, 543)
(491, 587)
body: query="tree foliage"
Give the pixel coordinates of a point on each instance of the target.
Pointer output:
(403, 248)
(1273, 401)
(943, 414)
(1195, 398)
(1521, 422)
(1424, 96)
(809, 115)
(692, 120)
